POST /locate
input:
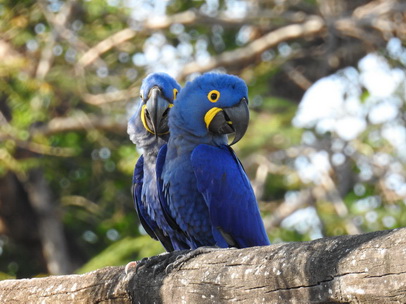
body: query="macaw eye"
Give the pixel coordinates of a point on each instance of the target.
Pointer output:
(175, 93)
(141, 95)
(213, 96)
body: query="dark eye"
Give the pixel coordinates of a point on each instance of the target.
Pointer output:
(213, 95)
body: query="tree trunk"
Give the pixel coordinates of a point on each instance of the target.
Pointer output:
(364, 268)
(50, 228)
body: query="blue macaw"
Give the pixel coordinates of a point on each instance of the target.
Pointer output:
(205, 190)
(148, 129)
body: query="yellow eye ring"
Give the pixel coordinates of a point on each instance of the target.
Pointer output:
(175, 93)
(213, 96)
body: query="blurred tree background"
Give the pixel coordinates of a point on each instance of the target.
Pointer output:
(325, 149)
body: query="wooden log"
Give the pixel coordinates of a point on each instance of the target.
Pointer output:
(365, 268)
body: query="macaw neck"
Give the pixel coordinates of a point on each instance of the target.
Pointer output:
(149, 168)
(183, 140)
(150, 146)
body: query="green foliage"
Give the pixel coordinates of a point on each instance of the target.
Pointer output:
(280, 235)
(122, 252)
(270, 126)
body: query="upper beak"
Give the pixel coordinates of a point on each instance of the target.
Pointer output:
(229, 120)
(157, 108)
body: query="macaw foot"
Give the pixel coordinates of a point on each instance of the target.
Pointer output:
(169, 262)
(135, 265)
(152, 263)
(182, 259)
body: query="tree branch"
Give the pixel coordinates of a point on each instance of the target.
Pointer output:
(362, 268)
(310, 27)
(376, 15)
(105, 45)
(100, 99)
(152, 24)
(47, 55)
(80, 123)
(59, 25)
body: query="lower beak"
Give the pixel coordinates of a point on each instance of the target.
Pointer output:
(229, 120)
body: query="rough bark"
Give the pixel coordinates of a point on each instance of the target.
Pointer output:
(366, 268)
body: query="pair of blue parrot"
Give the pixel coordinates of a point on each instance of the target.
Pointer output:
(189, 188)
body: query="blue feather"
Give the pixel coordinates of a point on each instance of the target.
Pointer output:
(181, 205)
(205, 192)
(147, 222)
(145, 191)
(233, 209)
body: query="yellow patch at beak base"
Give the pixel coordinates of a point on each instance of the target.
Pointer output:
(144, 122)
(210, 115)
(143, 119)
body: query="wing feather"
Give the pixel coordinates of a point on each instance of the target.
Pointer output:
(147, 222)
(230, 198)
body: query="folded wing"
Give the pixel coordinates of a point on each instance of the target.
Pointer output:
(233, 208)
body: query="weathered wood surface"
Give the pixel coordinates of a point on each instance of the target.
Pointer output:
(367, 268)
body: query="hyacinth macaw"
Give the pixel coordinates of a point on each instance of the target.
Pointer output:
(206, 193)
(148, 129)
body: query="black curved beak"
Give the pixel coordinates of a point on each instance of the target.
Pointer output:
(231, 120)
(157, 109)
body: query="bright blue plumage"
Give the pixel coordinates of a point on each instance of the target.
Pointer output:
(205, 191)
(148, 129)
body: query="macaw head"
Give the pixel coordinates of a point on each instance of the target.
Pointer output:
(157, 93)
(216, 104)
(150, 120)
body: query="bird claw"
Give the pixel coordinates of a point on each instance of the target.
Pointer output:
(182, 259)
(136, 265)
(132, 264)
(152, 263)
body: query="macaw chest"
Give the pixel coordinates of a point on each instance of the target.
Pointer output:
(186, 203)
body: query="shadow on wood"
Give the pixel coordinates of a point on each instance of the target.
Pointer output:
(362, 268)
